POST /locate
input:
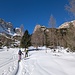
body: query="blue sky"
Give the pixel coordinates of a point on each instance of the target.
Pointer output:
(32, 12)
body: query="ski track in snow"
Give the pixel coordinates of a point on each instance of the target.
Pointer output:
(50, 70)
(38, 63)
(46, 70)
(8, 62)
(54, 64)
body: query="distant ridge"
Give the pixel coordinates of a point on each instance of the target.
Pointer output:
(6, 27)
(66, 24)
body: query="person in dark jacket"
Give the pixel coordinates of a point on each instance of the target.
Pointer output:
(20, 54)
(26, 52)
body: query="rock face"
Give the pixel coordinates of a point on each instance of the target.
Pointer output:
(37, 38)
(36, 28)
(67, 24)
(6, 27)
(62, 36)
(8, 33)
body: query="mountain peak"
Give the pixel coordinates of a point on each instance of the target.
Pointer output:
(36, 28)
(67, 24)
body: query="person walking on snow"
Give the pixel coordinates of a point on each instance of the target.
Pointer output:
(26, 52)
(20, 54)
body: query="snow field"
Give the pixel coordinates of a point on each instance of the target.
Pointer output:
(43, 61)
(8, 62)
(50, 63)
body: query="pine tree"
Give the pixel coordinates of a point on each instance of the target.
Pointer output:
(25, 41)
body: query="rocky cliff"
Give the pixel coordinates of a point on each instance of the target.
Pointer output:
(6, 27)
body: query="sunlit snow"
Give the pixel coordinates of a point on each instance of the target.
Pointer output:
(39, 62)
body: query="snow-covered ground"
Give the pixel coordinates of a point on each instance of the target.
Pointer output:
(40, 62)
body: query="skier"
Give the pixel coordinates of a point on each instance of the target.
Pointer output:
(26, 52)
(20, 54)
